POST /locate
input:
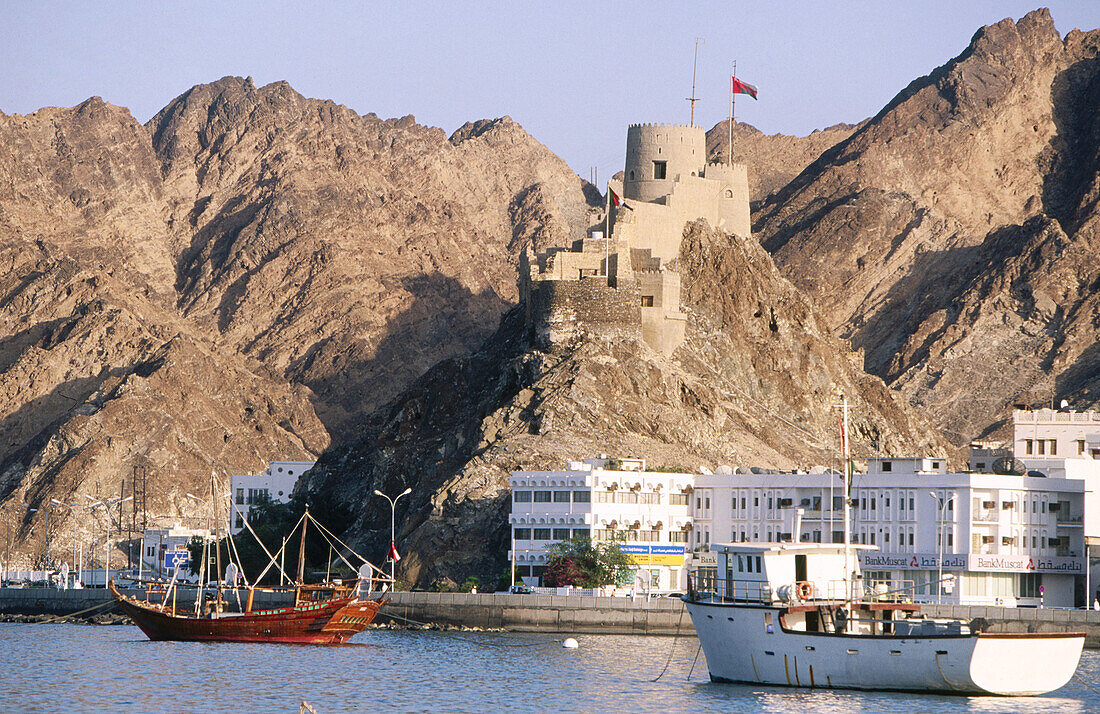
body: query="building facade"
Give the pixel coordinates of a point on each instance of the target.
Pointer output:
(1008, 540)
(162, 549)
(645, 512)
(275, 483)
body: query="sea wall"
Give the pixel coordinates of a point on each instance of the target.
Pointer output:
(556, 613)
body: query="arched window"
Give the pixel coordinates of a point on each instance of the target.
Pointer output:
(631, 175)
(729, 193)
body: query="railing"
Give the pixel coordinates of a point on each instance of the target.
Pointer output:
(1067, 518)
(991, 516)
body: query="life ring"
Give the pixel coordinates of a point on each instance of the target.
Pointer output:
(805, 590)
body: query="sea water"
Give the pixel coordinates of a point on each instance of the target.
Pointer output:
(88, 668)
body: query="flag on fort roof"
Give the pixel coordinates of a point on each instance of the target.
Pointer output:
(615, 200)
(740, 87)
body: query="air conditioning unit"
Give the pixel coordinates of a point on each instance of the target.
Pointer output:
(1055, 542)
(1007, 540)
(785, 502)
(1054, 507)
(989, 504)
(988, 539)
(1007, 505)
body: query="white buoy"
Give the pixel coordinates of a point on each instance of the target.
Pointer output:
(570, 643)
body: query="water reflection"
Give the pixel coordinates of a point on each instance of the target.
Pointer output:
(73, 668)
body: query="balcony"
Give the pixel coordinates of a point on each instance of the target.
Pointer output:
(1065, 519)
(991, 516)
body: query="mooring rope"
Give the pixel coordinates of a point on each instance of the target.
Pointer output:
(697, 651)
(672, 651)
(1086, 685)
(55, 619)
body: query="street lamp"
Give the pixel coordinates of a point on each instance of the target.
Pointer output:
(46, 537)
(107, 505)
(393, 531)
(72, 514)
(939, 532)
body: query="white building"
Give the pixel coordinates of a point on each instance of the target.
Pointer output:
(646, 512)
(163, 548)
(275, 483)
(1003, 536)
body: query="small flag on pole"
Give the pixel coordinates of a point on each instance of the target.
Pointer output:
(740, 87)
(393, 552)
(615, 200)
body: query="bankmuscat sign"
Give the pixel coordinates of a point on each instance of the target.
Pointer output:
(972, 562)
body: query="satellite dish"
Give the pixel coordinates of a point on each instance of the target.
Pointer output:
(817, 469)
(365, 571)
(724, 470)
(705, 471)
(231, 574)
(1009, 466)
(1065, 405)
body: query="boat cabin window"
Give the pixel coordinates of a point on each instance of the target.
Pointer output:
(740, 564)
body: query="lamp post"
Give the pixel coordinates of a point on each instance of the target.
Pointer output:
(939, 532)
(46, 536)
(72, 514)
(107, 540)
(393, 530)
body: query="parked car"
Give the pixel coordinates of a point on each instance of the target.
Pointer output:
(519, 590)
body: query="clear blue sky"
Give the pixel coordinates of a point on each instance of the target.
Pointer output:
(574, 74)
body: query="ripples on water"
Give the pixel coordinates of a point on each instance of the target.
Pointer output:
(75, 668)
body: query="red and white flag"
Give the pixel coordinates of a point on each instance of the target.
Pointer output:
(740, 87)
(615, 200)
(393, 552)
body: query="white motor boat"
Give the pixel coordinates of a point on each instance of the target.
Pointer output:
(783, 613)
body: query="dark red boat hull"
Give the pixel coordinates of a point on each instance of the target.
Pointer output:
(326, 623)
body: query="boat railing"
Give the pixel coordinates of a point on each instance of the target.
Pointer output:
(709, 587)
(888, 590)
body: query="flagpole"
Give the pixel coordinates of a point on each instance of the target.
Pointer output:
(731, 114)
(607, 237)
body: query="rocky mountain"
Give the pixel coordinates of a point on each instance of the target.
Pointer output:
(346, 252)
(773, 159)
(755, 383)
(238, 280)
(958, 228)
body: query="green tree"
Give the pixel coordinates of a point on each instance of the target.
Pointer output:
(580, 562)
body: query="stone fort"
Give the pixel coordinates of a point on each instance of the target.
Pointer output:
(624, 282)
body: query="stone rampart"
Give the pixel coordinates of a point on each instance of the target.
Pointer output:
(563, 311)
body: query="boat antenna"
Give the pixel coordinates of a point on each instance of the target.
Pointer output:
(846, 447)
(217, 543)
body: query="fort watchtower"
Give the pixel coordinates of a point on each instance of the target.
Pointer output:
(658, 155)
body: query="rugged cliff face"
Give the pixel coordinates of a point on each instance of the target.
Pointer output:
(956, 228)
(773, 159)
(345, 252)
(198, 291)
(755, 383)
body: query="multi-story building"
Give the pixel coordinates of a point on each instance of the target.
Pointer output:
(607, 500)
(275, 483)
(1003, 537)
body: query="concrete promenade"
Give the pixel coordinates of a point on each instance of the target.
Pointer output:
(558, 613)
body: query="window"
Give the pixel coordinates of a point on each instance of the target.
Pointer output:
(742, 503)
(561, 497)
(561, 534)
(660, 169)
(708, 503)
(838, 503)
(1028, 584)
(542, 497)
(1080, 447)
(1053, 447)
(935, 464)
(910, 537)
(240, 521)
(887, 501)
(542, 534)
(523, 534)
(632, 175)
(886, 537)
(677, 536)
(729, 193)
(647, 301)
(240, 496)
(1041, 443)
(677, 499)
(582, 497)
(872, 503)
(1027, 447)
(887, 466)
(755, 501)
(769, 503)
(698, 503)
(582, 532)
(521, 496)
(910, 503)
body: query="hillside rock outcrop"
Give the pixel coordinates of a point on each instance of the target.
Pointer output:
(757, 381)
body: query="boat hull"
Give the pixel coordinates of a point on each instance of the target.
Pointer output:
(327, 623)
(747, 643)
